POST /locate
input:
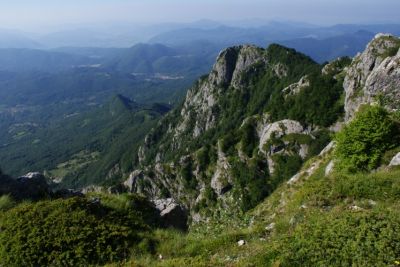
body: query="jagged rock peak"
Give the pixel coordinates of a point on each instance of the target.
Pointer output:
(373, 72)
(203, 97)
(234, 60)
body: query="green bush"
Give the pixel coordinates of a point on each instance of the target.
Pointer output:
(6, 202)
(72, 232)
(285, 167)
(251, 181)
(361, 144)
(249, 138)
(131, 202)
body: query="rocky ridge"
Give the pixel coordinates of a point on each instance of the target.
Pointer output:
(185, 181)
(374, 75)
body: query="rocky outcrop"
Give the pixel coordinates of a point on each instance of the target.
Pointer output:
(172, 214)
(295, 88)
(201, 108)
(278, 129)
(395, 160)
(201, 101)
(221, 181)
(31, 186)
(280, 70)
(374, 73)
(140, 182)
(272, 140)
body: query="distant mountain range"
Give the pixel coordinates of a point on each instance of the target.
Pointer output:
(321, 50)
(16, 39)
(161, 45)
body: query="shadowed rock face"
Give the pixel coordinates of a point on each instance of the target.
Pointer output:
(30, 186)
(172, 215)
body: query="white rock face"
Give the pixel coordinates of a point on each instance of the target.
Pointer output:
(303, 152)
(329, 168)
(130, 183)
(372, 73)
(32, 175)
(279, 129)
(280, 70)
(221, 179)
(270, 227)
(241, 243)
(395, 160)
(248, 56)
(385, 80)
(202, 98)
(165, 205)
(295, 88)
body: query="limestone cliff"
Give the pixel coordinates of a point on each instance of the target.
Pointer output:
(374, 74)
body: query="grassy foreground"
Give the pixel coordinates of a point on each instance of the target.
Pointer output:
(338, 220)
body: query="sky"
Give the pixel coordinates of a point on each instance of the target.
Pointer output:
(29, 14)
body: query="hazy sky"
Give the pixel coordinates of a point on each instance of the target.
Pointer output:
(26, 14)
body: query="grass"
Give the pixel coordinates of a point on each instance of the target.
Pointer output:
(6, 203)
(77, 162)
(336, 220)
(342, 219)
(321, 220)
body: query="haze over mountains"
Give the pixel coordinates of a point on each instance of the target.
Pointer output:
(63, 77)
(330, 41)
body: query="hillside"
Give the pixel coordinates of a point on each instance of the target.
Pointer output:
(241, 131)
(332, 212)
(80, 144)
(272, 160)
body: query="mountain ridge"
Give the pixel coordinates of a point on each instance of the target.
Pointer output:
(289, 142)
(272, 160)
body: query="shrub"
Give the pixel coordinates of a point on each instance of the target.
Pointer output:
(6, 202)
(249, 138)
(285, 167)
(72, 232)
(344, 239)
(361, 144)
(251, 184)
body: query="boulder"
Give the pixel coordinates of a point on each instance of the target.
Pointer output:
(329, 168)
(130, 183)
(31, 186)
(172, 214)
(241, 243)
(395, 160)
